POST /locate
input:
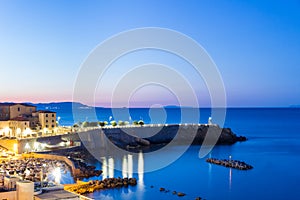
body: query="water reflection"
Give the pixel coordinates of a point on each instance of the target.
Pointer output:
(111, 167)
(141, 171)
(230, 178)
(124, 167)
(104, 168)
(130, 166)
(129, 163)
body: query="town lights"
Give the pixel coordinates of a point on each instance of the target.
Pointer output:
(15, 148)
(36, 145)
(27, 146)
(57, 175)
(27, 132)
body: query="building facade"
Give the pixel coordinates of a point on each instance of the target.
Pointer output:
(47, 121)
(19, 120)
(13, 110)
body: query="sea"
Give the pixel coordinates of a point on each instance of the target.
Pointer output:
(272, 148)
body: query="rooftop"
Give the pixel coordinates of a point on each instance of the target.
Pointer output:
(57, 194)
(45, 111)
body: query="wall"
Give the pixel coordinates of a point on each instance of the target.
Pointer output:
(18, 109)
(4, 112)
(12, 195)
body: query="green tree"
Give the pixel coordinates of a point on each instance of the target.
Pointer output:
(141, 122)
(121, 123)
(103, 123)
(113, 123)
(85, 124)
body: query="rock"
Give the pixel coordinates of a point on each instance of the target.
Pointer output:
(174, 192)
(198, 198)
(180, 194)
(162, 189)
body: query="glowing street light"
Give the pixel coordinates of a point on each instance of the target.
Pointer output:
(27, 146)
(57, 175)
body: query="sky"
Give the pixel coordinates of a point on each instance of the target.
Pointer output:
(255, 44)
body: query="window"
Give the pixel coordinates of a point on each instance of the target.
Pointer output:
(52, 126)
(46, 121)
(19, 109)
(52, 121)
(46, 115)
(52, 115)
(25, 123)
(46, 126)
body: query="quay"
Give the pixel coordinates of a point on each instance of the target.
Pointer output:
(230, 163)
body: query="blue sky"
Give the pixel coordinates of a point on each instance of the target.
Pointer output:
(255, 44)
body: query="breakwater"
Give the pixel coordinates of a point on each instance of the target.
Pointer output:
(109, 183)
(236, 164)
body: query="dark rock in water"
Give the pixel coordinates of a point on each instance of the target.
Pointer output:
(198, 198)
(174, 192)
(162, 189)
(230, 163)
(180, 194)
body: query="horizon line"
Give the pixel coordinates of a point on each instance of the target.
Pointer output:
(166, 106)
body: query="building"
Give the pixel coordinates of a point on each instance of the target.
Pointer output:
(13, 110)
(17, 127)
(47, 120)
(19, 120)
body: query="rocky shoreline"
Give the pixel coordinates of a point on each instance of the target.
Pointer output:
(136, 137)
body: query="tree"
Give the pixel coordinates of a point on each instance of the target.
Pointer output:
(141, 122)
(93, 124)
(85, 124)
(135, 122)
(121, 123)
(113, 123)
(102, 123)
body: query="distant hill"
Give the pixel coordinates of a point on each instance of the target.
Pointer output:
(60, 106)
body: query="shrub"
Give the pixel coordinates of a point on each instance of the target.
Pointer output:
(141, 122)
(113, 123)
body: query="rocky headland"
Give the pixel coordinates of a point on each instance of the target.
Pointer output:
(134, 137)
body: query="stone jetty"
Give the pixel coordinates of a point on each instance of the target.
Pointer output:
(236, 164)
(109, 183)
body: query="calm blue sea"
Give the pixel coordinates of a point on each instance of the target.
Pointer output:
(273, 149)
